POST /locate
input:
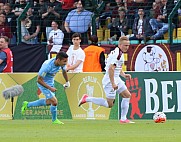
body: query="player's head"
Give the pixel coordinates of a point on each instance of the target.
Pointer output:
(4, 42)
(124, 43)
(76, 38)
(61, 58)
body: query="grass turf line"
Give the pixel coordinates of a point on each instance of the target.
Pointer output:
(89, 131)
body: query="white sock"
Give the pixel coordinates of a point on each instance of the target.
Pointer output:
(97, 101)
(124, 108)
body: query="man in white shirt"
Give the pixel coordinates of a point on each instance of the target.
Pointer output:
(55, 39)
(112, 82)
(76, 55)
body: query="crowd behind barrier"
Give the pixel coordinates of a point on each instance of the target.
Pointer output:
(140, 20)
(51, 23)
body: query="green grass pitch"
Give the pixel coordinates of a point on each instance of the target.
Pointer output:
(89, 131)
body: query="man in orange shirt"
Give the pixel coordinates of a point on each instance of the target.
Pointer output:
(94, 57)
(6, 57)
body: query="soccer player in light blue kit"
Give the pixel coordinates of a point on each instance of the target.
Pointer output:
(45, 83)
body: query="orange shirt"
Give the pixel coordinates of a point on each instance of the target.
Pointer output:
(92, 59)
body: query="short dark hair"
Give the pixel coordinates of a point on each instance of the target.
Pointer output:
(61, 55)
(76, 35)
(82, 2)
(94, 39)
(5, 38)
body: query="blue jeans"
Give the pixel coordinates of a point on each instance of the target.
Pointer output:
(160, 27)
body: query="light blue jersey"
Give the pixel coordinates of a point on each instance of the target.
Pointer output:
(48, 71)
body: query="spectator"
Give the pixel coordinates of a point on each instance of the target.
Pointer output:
(94, 57)
(30, 28)
(5, 30)
(6, 56)
(38, 10)
(160, 24)
(55, 39)
(155, 10)
(132, 8)
(38, 7)
(51, 12)
(67, 6)
(141, 27)
(119, 3)
(11, 22)
(76, 55)
(19, 7)
(105, 14)
(78, 20)
(33, 25)
(1, 8)
(119, 27)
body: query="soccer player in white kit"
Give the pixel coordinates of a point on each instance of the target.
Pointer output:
(112, 82)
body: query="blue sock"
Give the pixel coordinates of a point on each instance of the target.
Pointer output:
(53, 110)
(40, 102)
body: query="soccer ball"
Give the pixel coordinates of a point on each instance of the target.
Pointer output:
(159, 117)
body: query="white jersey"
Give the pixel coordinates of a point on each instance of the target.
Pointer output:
(74, 56)
(113, 59)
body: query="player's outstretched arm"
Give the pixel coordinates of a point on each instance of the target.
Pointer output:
(67, 84)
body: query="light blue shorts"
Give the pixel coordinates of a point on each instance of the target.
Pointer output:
(48, 94)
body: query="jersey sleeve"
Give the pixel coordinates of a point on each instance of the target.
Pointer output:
(43, 70)
(113, 57)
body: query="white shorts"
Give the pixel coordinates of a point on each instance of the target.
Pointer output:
(110, 93)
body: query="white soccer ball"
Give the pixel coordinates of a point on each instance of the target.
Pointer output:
(159, 117)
